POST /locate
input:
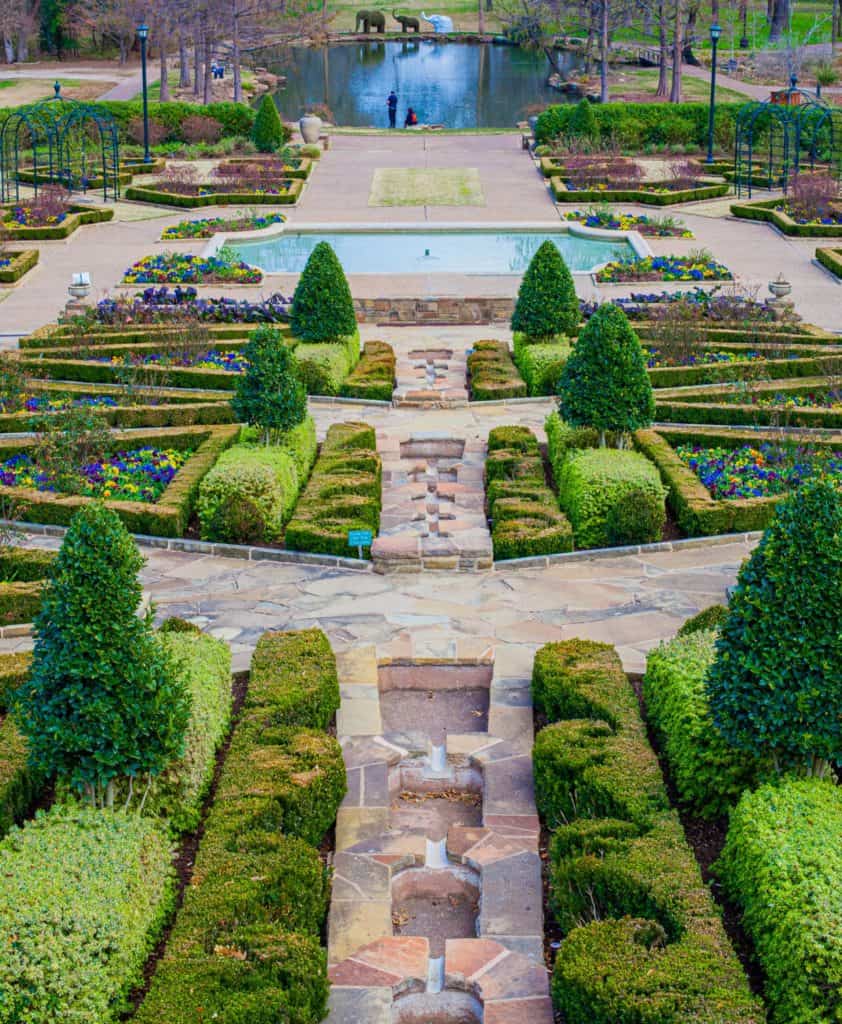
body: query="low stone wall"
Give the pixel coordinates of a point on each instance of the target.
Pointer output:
(486, 310)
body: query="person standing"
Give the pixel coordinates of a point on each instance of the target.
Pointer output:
(392, 104)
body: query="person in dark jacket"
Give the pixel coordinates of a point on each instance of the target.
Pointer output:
(392, 104)
(411, 119)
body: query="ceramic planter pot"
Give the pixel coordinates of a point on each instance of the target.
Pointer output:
(311, 128)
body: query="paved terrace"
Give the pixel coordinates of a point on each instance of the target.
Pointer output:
(515, 194)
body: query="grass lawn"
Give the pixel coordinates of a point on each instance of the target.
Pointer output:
(19, 91)
(437, 186)
(645, 80)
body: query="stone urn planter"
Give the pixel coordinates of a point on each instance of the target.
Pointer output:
(311, 128)
(780, 288)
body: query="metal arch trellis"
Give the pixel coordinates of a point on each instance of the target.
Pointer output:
(49, 142)
(775, 138)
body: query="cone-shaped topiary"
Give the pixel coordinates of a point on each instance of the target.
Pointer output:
(546, 302)
(322, 307)
(269, 394)
(103, 701)
(582, 123)
(267, 132)
(604, 383)
(775, 686)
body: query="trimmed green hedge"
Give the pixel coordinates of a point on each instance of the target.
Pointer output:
(167, 517)
(711, 617)
(644, 941)
(54, 335)
(22, 571)
(14, 671)
(374, 376)
(323, 367)
(782, 863)
(541, 364)
(343, 493)
(698, 513)
(85, 893)
(21, 262)
(562, 194)
(151, 194)
(525, 519)
(295, 674)
(676, 410)
(611, 497)
(77, 216)
(765, 211)
(709, 775)
(245, 945)
(19, 786)
(492, 373)
(831, 259)
(184, 411)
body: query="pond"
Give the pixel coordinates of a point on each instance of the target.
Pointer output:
(457, 85)
(429, 252)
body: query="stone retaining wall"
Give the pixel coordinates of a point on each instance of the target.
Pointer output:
(485, 310)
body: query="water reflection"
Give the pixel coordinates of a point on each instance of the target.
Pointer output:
(458, 85)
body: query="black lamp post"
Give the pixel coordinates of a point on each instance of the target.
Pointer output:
(744, 40)
(715, 33)
(143, 35)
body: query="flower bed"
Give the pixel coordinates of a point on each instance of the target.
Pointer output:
(166, 516)
(184, 268)
(698, 512)
(653, 194)
(208, 226)
(13, 265)
(772, 212)
(652, 227)
(285, 193)
(230, 360)
(800, 405)
(663, 268)
(759, 471)
(76, 216)
(139, 474)
(702, 357)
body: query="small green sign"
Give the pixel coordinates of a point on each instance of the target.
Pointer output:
(360, 538)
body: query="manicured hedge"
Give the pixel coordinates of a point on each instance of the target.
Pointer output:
(167, 517)
(611, 497)
(525, 519)
(374, 376)
(343, 493)
(21, 262)
(765, 211)
(295, 674)
(541, 364)
(14, 670)
(245, 945)
(698, 513)
(77, 216)
(643, 940)
(831, 259)
(635, 125)
(802, 362)
(301, 167)
(708, 618)
(677, 409)
(153, 194)
(19, 785)
(85, 894)
(709, 775)
(323, 367)
(53, 335)
(782, 863)
(492, 372)
(635, 195)
(22, 571)
(181, 411)
(206, 665)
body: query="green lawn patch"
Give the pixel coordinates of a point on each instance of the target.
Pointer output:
(435, 186)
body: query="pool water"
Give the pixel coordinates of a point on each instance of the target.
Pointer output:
(429, 252)
(458, 85)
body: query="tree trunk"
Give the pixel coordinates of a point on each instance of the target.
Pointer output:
(714, 10)
(197, 62)
(206, 70)
(780, 20)
(603, 53)
(183, 63)
(9, 49)
(647, 20)
(165, 71)
(235, 55)
(677, 47)
(663, 56)
(835, 27)
(480, 18)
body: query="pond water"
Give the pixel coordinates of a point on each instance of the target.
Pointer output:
(429, 252)
(458, 85)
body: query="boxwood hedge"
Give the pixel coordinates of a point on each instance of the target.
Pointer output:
(541, 364)
(492, 372)
(20, 263)
(374, 376)
(295, 674)
(643, 941)
(708, 773)
(85, 893)
(782, 863)
(765, 210)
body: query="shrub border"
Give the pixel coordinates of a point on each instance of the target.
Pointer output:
(149, 194)
(831, 259)
(23, 260)
(764, 210)
(78, 216)
(562, 194)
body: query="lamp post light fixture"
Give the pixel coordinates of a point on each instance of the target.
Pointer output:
(715, 33)
(143, 35)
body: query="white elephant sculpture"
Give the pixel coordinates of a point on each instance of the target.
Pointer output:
(440, 22)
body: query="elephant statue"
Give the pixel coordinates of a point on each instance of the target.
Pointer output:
(440, 22)
(407, 23)
(371, 19)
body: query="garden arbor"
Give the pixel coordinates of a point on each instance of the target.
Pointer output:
(791, 132)
(59, 141)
